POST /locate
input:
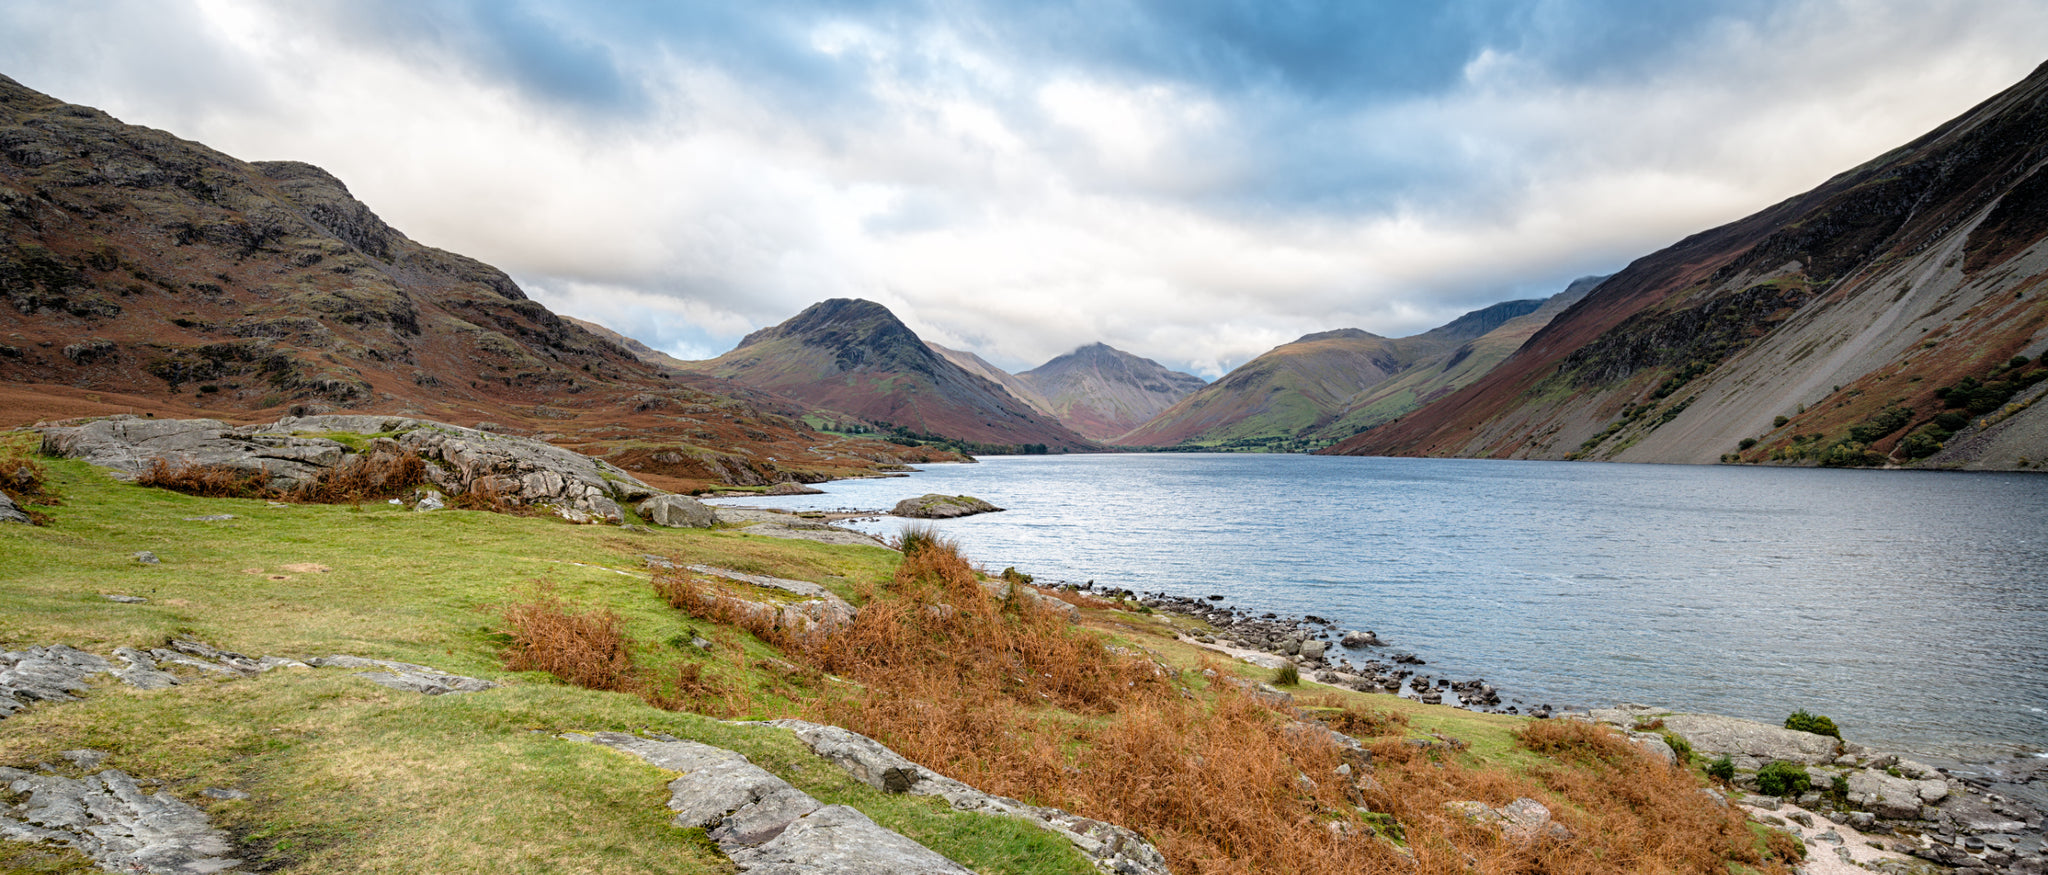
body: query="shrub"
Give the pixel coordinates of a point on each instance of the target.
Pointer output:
(208, 481)
(1745, 443)
(1722, 769)
(588, 649)
(365, 477)
(1779, 421)
(1814, 723)
(1287, 675)
(1679, 746)
(1781, 778)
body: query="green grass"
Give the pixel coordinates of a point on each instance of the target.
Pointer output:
(347, 776)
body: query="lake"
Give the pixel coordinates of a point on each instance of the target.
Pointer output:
(1910, 606)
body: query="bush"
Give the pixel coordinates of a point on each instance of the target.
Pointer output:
(1722, 770)
(1814, 723)
(588, 649)
(1779, 421)
(1679, 746)
(1746, 443)
(1781, 778)
(208, 481)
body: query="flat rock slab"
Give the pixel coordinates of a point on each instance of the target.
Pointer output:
(108, 818)
(767, 826)
(803, 588)
(1760, 743)
(1113, 848)
(406, 676)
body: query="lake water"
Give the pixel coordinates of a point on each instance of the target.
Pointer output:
(1912, 607)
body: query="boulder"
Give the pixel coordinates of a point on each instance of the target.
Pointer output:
(9, 513)
(1355, 639)
(678, 512)
(1523, 820)
(108, 818)
(1313, 649)
(1749, 743)
(933, 506)
(1890, 797)
(790, 487)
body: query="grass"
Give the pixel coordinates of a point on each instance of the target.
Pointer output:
(1115, 719)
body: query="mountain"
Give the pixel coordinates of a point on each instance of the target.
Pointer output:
(855, 357)
(1453, 369)
(1293, 392)
(980, 367)
(635, 348)
(1102, 392)
(142, 273)
(1894, 314)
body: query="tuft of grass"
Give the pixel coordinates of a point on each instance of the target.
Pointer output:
(585, 648)
(1287, 675)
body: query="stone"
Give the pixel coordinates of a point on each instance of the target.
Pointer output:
(1523, 820)
(1883, 795)
(789, 487)
(224, 794)
(1356, 639)
(932, 506)
(767, 826)
(147, 558)
(210, 518)
(142, 672)
(9, 512)
(837, 840)
(430, 502)
(1655, 745)
(125, 599)
(1313, 649)
(677, 512)
(84, 759)
(1713, 735)
(405, 675)
(109, 819)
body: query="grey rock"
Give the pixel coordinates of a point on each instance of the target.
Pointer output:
(430, 502)
(933, 506)
(1654, 745)
(9, 513)
(803, 588)
(767, 826)
(147, 558)
(677, 512)
(108, 818)
(792, 488)
(837, 840)
(45, 674)
(224, 794)
(125, 599)
(1114, 848)
(1712, 735)
(522, 470)
(210, 518)
(1313, 649)
(142, 672)
(84, 759)
(404, 675)
(1523, 820)
(1355, 639)
(1884, 795)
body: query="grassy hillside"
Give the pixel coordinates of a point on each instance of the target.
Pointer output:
(1116, 719)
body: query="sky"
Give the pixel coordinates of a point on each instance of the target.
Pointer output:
(1193, 181)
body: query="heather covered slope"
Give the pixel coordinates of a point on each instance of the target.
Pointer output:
(1837, 327)
(1293, 394)
(855, 357)
(1103, 392)
(141, 273)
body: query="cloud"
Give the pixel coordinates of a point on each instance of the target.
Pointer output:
(1192, 181)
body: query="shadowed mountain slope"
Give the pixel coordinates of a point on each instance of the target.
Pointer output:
(1871, 320)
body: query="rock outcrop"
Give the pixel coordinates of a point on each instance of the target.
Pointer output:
(677, 512)
(765, 825)
(1750, 744)
(107, 817)
(933, 506)
(294, 451)
(9, 513)
(1113, 848)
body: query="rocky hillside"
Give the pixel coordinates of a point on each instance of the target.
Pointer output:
(855, 357)
(141, 273)
(1893, 315)
(981, 367)
(1295, 394)
(1103, 392)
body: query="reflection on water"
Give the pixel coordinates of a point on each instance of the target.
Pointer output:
(1910, 606)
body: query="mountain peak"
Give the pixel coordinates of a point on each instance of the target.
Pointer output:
(1102, 392)
(1339, 334)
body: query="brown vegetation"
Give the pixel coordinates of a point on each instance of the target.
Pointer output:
(208, 481)
(362, 477)
(588, 649)
(998, 692)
